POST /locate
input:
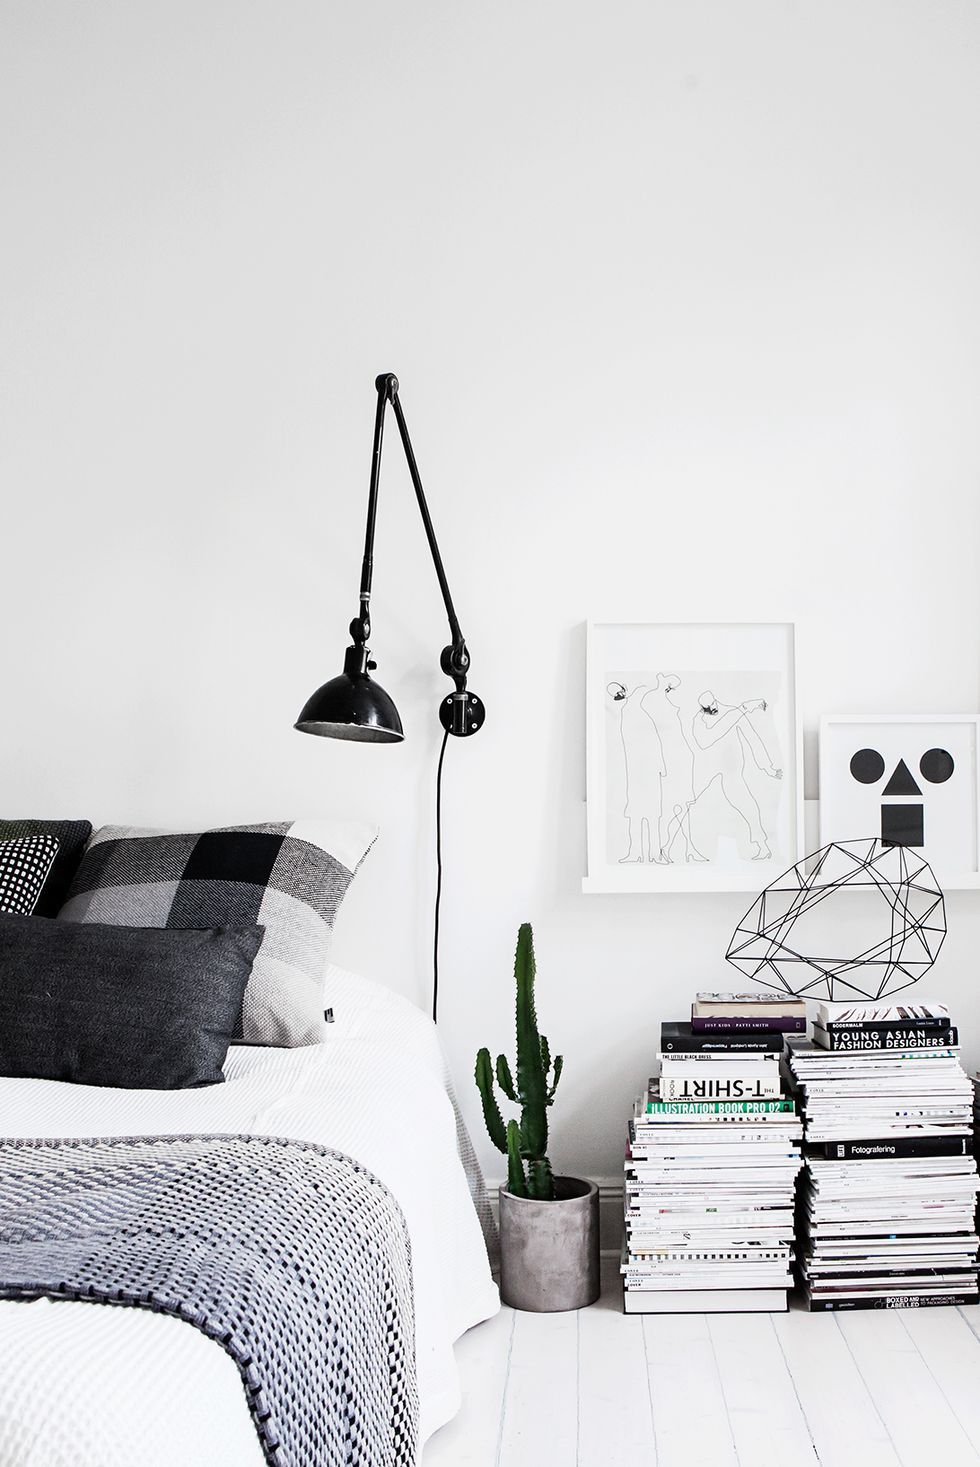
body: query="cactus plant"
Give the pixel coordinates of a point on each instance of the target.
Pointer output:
(524, 1143)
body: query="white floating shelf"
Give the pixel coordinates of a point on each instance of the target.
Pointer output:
(648, 880)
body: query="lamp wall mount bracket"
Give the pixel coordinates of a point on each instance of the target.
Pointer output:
(462, 714)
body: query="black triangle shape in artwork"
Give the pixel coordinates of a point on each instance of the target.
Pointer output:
(901, 782)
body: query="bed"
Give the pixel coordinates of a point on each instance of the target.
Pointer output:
(85, 1386)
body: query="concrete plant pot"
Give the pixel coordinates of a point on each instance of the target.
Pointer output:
(549, 1251)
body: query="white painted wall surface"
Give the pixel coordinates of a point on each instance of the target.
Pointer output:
(684, 299)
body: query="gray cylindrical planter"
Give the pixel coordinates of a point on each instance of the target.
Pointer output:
(549, 1251)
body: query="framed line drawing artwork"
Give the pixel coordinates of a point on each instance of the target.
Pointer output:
(693, 756)
(908, 779)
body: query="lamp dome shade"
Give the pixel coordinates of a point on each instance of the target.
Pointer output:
(352, 708)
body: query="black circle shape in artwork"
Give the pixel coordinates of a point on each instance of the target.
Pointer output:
(867, 766)
(936, 765)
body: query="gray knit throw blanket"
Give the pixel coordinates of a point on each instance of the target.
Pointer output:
(293, 1258)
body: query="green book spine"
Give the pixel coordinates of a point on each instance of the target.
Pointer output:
(718, 1107)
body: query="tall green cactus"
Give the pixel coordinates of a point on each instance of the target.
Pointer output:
(526, 1141)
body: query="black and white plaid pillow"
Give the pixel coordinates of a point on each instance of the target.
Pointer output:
(289, 878)
(24, 867)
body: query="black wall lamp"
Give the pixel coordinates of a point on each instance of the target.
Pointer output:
(353, 705)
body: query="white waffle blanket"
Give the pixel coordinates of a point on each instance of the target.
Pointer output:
(81, 1380)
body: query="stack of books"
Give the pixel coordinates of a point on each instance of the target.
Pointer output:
(888, 1194)
(711, 1166)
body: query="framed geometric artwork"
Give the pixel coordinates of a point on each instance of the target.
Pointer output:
(693, 756)
(907, 779)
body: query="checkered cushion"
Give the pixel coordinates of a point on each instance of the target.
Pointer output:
(290, 878)
(24, 867)
(71, 836)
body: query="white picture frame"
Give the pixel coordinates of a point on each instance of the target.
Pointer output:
(721, 781)
(903, 793)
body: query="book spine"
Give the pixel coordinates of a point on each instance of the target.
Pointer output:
(713, 1088)
(905, 1016)
(718, 1107)
(901, 1146)
(750, 1064)
(707, 1045)
(892, 1301)
(940, 1021)
(768, 1131)
(735, 1024)
(661, 1256)
(874, 1037)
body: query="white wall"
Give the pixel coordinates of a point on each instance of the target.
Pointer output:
(685, 304)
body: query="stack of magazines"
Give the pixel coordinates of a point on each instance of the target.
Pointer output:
(888, 1195)
(711, 1166)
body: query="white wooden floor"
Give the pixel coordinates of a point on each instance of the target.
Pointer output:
(598, 1389)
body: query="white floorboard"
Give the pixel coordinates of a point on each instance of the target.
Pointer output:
(614, 1394)
(837, 1404)
(540, 1411)
(925, 1431)
(685, 1388)
(763, 1407)
(600, 1389)
(944, 1341)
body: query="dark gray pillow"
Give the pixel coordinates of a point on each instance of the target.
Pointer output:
(71, 836)
(136, 1008)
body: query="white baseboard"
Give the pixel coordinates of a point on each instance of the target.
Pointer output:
(610, 1209)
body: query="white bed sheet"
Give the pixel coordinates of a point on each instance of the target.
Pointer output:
(95, 1386)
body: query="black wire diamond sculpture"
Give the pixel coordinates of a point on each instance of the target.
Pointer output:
(803, 920)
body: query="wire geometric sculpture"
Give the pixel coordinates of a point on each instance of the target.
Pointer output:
(802, 921)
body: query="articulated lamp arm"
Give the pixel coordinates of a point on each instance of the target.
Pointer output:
(462, 712)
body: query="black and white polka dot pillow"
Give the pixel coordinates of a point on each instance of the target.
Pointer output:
(24, 867)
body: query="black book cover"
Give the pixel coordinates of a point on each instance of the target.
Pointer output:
(897, 1146)
(678, 1037)
(854, 1026)
(851, 1279)
(891, 1146)
(891, 1301)
(875, 1038)
(736, 1024)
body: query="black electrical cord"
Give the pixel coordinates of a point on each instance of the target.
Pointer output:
(435, 924)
